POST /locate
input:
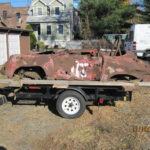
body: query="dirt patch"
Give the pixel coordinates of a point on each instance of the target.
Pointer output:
(22, 126)
(28, 127)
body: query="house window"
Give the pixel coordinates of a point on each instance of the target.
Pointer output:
(4, 14)
(17, 15)
(49, 30)
(48, 11)
(61, 29)
(57, 11)
(40, 12)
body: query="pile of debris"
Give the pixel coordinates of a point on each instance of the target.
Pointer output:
(90, 44)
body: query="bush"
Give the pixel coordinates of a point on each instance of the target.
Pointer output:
(41, 45)
(33, 39)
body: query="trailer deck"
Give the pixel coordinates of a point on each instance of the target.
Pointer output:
(66, 83)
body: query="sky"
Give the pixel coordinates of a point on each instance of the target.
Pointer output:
(17, 3)
(21, 3)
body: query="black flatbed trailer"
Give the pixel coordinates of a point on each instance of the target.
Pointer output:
(70, 96)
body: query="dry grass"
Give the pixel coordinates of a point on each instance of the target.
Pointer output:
(111, 128)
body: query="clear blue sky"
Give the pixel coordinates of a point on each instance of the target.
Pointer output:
(21, 3)
(17, 3)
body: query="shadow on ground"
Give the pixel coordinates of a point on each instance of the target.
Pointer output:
(2, 148)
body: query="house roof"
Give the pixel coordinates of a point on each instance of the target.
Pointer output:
(14, 29)
(57, 0)
(11, 19)
(48, 2)
(48, 19)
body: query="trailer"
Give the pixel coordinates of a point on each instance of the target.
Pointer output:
(70, 96)
(71, 78)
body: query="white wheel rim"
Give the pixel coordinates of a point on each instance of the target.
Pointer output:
(70, 105)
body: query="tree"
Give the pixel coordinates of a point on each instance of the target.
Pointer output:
(147, 11)
(104, 16)
(33, 39)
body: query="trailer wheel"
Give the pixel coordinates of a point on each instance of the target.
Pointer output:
(70, 104)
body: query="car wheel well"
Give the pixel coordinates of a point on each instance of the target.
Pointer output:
(36, 69)
(123, 77)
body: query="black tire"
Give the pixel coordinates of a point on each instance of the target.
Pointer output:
(3, 99)
(77, 99)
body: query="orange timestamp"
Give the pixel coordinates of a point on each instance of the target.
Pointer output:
(141, 128)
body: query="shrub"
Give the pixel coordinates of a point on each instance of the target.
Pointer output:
(41, 45)
(33, 39)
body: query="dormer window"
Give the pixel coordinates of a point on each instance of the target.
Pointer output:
(57, 11)
(4, 14)
(40, 13)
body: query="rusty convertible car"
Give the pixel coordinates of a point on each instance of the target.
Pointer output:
(77, 65)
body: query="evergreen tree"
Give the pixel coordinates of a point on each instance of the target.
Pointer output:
(147, 11)
(104, 16)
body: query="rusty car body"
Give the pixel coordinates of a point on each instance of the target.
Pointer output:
(78, 65)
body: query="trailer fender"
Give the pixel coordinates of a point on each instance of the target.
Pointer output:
(77, 89)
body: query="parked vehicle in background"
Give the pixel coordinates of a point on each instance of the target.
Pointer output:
(138, 40)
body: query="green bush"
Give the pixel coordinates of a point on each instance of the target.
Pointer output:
(41, 45)
(33, 39)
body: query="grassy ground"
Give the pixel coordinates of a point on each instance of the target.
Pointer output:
(110, 128)
(28, 127)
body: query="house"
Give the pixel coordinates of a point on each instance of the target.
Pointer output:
(13, 41)
(13, 17)
(52, 21)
